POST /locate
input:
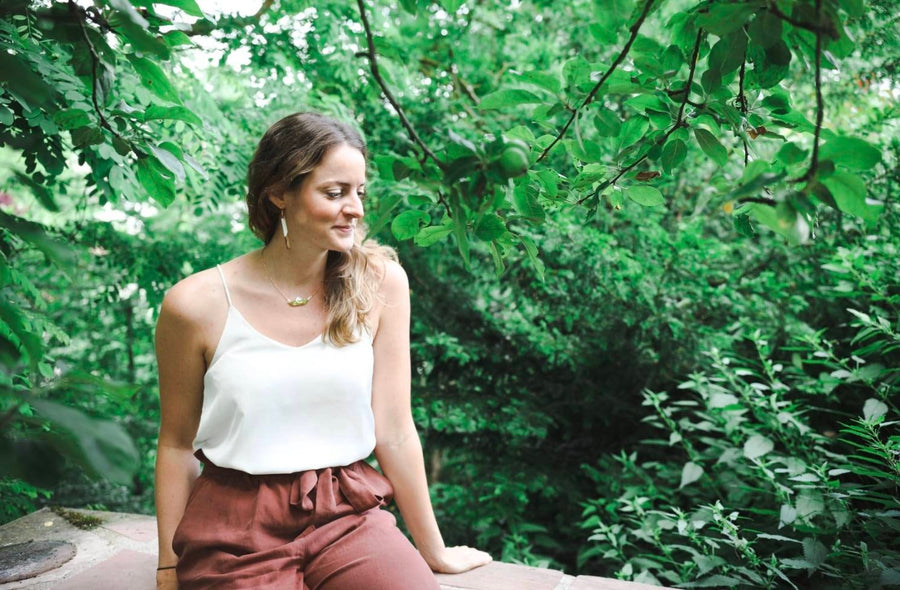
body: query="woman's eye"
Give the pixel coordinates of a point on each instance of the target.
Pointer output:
(334, 195)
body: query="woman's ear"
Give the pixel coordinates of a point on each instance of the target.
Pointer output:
(276, 198)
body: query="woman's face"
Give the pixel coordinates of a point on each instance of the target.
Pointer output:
(323, 212)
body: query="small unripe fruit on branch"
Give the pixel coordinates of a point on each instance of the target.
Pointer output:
(514, 159)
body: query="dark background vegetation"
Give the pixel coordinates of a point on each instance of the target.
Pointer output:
(666, 353)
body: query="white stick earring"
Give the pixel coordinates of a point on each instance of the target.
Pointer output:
(287, 242)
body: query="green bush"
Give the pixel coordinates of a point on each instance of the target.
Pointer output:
(778, 465)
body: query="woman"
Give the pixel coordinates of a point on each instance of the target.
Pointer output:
(282, 396)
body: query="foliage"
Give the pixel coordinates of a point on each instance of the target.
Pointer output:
(595, 202)
(790, 455)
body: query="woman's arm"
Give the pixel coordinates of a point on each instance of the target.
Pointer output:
(398, 449)
(179, 353)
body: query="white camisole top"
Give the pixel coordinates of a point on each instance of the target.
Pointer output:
(269, 407)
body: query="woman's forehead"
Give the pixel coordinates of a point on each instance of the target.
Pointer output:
(341, 164)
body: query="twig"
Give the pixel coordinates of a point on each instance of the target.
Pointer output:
(820, 105)
(373, 65)
(811, 27)
(460, 82)
(742, 105)
(94, 59)
(759, 200)
(670, 131)
(616, 62)
(444, 202)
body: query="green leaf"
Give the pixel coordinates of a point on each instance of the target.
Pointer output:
(531, 251)
(690, 473)
(633, 130)
(407, 224)
(765, 29)
(101, 446)
(787, 515)
(547, 81)
(849, 192)
(14, 323)
(451, 6)
(19, 79)
(40, 191)
(790, 154)
(173, 113)
(71, 118)
(607, 123)
(61, 254)
(385, 206)
(707, 563)
(188, 6)
(6, 115)
(153, 78)
(645, 195)
(168, 159)
(757, 446)
(874, 410)
(815, 553)
(727, 54)
(490, 228)
(721, 19)
(462, 238)
(85, 136)
(673, 154)
(157, 184)
(432, 234)
(850, 152)
(711, 146)
(509, 97)
(177, 38)
(526, 203)
(126, 8)
(743, 226)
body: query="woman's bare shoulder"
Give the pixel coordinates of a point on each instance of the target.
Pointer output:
(394, 282)
(195, 299)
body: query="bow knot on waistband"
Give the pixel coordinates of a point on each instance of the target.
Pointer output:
(359, 483)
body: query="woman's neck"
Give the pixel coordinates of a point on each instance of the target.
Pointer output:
(295, 269)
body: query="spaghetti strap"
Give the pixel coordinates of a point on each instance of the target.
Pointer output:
(224, 284)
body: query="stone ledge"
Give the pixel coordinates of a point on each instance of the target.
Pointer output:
(121, 553)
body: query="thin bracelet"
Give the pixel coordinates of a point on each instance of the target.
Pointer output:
(168, 567)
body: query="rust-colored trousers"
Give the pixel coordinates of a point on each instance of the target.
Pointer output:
(312, 530)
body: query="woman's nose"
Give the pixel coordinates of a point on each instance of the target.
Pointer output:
(354, 208)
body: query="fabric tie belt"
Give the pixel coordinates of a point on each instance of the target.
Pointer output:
(318, 490)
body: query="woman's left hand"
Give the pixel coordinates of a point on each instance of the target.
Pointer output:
(455, 560)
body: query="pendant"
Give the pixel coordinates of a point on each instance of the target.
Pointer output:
(299, 301)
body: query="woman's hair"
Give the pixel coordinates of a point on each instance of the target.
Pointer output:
(286, 154)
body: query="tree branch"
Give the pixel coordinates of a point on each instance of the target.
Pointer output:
(742, 105)
(373, 66)
(79, 16)
(818, 29)
(820, 105)
(759, 200)
(678, 122)
(616, 62)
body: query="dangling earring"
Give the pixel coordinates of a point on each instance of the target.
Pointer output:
(287, 242)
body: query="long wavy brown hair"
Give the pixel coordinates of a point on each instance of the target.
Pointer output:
(288, 151)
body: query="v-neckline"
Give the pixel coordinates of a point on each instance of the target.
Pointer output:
(247, 323)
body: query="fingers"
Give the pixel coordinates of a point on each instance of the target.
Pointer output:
(463, 558)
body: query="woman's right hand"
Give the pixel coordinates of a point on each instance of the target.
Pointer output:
(166, 580)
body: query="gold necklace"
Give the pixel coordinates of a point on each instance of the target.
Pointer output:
(296, 301)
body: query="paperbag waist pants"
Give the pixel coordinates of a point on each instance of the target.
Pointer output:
(321, 529)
